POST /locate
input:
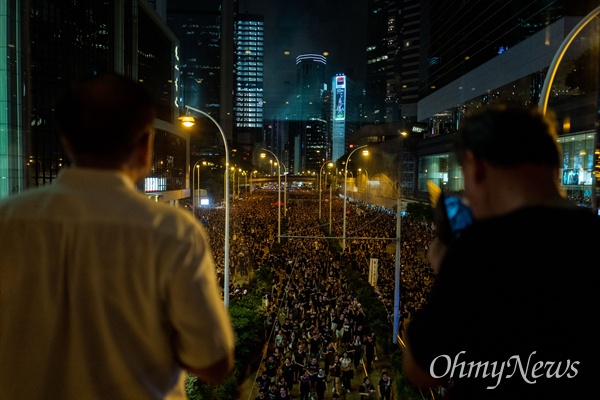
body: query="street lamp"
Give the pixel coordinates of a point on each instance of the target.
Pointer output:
(194, 168)
(263, 155)
(365, 152)
(353, 182)
(366, 183)
(329, 165)
(398, 245)
(188, 121)
(233, 181)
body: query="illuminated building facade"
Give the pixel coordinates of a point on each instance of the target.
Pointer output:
(249, 71)
(46, 44)
(311, 138)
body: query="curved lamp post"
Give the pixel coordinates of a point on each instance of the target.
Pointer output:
(189, 121)
(329, 165)
(397, 276)
(194, 168)
(345, 194)
(366, 183)
(278, 192)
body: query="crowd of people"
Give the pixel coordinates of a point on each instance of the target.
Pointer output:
(315, 326)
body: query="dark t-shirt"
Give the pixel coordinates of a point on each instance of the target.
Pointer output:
(515, 301)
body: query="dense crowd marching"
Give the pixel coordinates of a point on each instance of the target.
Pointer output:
(315, 326)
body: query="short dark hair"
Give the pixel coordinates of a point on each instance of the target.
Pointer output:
(104, 115)
(508, 135)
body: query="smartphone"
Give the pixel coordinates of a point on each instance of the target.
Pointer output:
(451, 214)
(458, 213)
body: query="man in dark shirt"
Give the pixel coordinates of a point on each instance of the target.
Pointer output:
(491, 326)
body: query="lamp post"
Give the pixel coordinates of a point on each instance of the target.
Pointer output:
(278, 192)
(366, 183)
(238, 185)
(345, 194)
(353, 182)
(194, 168)
(232, 169)
(398, 246)
(329, 164)
(188, 121)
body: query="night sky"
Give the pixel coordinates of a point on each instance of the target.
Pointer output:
(308, 26)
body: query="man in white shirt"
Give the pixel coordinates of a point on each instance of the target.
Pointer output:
(104, 293)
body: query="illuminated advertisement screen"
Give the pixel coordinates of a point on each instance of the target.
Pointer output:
(340, 104)
(339, 84)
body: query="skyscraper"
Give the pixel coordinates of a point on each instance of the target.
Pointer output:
(377, 55)
(311, 145)
(198, 27)
(248, 90)
(48, 44)
(343, 114)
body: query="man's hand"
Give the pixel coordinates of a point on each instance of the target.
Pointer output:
(435, 254)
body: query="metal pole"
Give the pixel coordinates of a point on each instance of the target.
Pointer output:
(320, 190)
(330, 202)
(193, 191)
(278, 194)
(321, 185)
(397, 270)
(285, 188)
(278, 202)
(398, 248)
(226, 247)
(345, 195)
(199, 199)
(367, 187)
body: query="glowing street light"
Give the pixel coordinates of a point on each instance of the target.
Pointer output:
(329, 165)
(365, 152)
(188, 121)
(263, 155)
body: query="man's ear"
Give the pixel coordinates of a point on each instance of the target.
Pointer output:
(476, 168)
(143, 154)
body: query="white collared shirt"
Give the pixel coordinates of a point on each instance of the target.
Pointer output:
(103, 293)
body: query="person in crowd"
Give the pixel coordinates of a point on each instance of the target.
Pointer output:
(320, 384)
(369, 351)
(503, 284)
(335, 371)
(287, 371)
(305, 384)
(103, 292)
(271, 368)
(263, 381)
(357, 346)
(273, 393)
(262, 395)
(366, 390)
(384, 387)
(347, 372)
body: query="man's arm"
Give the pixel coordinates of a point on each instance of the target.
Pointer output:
(215, 373)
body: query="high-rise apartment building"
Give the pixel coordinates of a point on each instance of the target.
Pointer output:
(197, 24)
(46, 44)
(374, 108)
(249, 71)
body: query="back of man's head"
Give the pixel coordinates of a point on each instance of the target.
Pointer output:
(508, 136)
(104, 116)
